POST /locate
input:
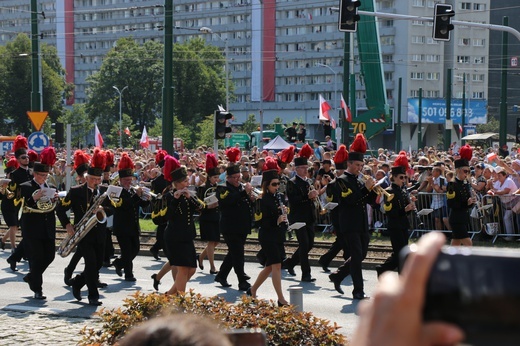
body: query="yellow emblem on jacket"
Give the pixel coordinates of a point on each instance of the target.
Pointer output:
(329, 199)
(258, 216)
(387, 207)
(450, 195)
(64, 203)
(17, 201)
(224, 194)
(161, 212)
(346, 193)
(117, 204)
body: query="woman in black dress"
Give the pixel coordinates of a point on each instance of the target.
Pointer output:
(273, 227)
(180, 230)
(209, 216)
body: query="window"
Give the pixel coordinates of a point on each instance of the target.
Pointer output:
(479, 7)
(465, 5)
(417, 57)
(418, 3)
(479, 60)
(417, 22)
(479, 42)
(387, 40)
(431, 3)
(389, 76)
(433, 76)
(430, 40)
(417, 75)
(433, 93)
(464, 41)
(462, 59)
(414, 93)
(418, 39)
(388, 23)
(477, 77)
(477, 94)
(433, 58)
(388, 58)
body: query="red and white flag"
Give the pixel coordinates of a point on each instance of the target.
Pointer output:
(127, 132)
(144, 139)
(348, 113)
(98, 138)
(324, 112)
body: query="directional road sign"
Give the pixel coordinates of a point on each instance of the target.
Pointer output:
(38, 141)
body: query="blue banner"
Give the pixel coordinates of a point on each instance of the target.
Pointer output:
(434, 111)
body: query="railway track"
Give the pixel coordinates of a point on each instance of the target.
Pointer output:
(377, 253)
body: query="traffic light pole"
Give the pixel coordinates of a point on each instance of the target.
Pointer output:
(167, 96)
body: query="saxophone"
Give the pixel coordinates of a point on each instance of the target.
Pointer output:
(92, 217)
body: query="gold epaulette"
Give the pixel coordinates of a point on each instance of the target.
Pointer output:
(346, 193)
(117, 204)
(64, 203)
(387, 207)
(258, 216)
(224, 194)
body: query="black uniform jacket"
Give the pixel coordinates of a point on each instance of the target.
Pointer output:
(394, 209)
(181, 213)
(126, 214)
(352, 208)
(269, 228)
(18, 177)
(301, 208)
(36, 225)
(457, 194)
(79, 199)
(207, 214)
(236, 209)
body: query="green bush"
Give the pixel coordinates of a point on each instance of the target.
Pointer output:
(283, 325)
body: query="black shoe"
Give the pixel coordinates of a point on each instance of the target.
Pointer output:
(222, 282)
(39, 295)
(248, 292)
(244, 286)
(280, 304)
(337, 283)
(379, 271)
(308, 279)
(2, 245)
(101, 284)
(213, 272)
(27, 279)
(360, 296)
(107, 264)
(155, 253)
(94, 302)
(324, 266)
(67, 276)
(12, 263)
(130, 278)
(291, 271)
(200, 262)
(119, 269)
(246, 277)
(76, 292)
(156, 282)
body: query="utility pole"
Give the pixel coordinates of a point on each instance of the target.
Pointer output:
(167, 97)
(36, 98)
(503, 91)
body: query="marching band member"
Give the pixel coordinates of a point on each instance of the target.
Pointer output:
(209, 216)
(271, 234)
(81, 163)
(354, 192)
(109, 246)
(126, 219)
(397, 210)
(39, 222)
(79, 199)
(180, 230)
(301, 196)
(461, 199)
(236, 216)
(13, 205)
(158, 185)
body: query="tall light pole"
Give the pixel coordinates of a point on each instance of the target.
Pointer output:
(120, 113)
(335, 83)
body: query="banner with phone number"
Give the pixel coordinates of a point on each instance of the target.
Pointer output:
(434, 111)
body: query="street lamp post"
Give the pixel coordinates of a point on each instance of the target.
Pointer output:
(120, 113)
(335, 83)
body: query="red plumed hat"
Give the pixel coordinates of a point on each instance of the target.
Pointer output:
(173, 171)
(12, 164)
(159, 157)
(47, 160)
(287, 155)
(270, 164)
(400, 164)
(109, 160)
(211, 165)
(358, 148)
(466, 153)
(81, 161)
(20, 146)
(303, 155)
(233, 154)
(97, 163)
(126, 166)
(33, 155)
(341, 157)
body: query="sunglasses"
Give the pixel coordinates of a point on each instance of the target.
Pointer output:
(24, 157)
(401, 177)
(275, 184)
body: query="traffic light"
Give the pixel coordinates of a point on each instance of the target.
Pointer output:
(58, 136)
(442, 22)
(221, 127)
(348, 15)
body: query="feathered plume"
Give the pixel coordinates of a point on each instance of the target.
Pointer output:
(233, 154)
(401, 160)
(20, 142)
(305, 151)
(109, 158)
(359, 145)
(402, 152)
(125, 162)
(12, 163)
(161, 154)
(98, 159)
(287, 155)
(48, 156)
(466, 152)
(270, 164)
(211, 162)
(80, 158)
(170, 165)
(33, 155)
(341, 155)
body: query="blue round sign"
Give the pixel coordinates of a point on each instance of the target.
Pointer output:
(38, 141)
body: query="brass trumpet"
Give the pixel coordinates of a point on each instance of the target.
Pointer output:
(4, 190)
(376, 188)
(147, 193)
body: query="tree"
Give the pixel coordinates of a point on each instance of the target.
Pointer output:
(206, 131)
(81, 126)
(15, 84)
(250, 125)
(492, 125)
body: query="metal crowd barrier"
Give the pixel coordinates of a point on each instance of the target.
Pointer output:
(495, 216)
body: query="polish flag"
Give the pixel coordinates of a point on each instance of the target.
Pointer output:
(144, 139)
(348, 113)
(127, 132)
(324, 112)
(98, 138)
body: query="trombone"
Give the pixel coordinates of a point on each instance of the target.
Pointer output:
(377, 187)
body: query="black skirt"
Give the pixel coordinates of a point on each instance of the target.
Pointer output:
(274, 252)
(209, 230)
(180, 253)
(10, 215)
